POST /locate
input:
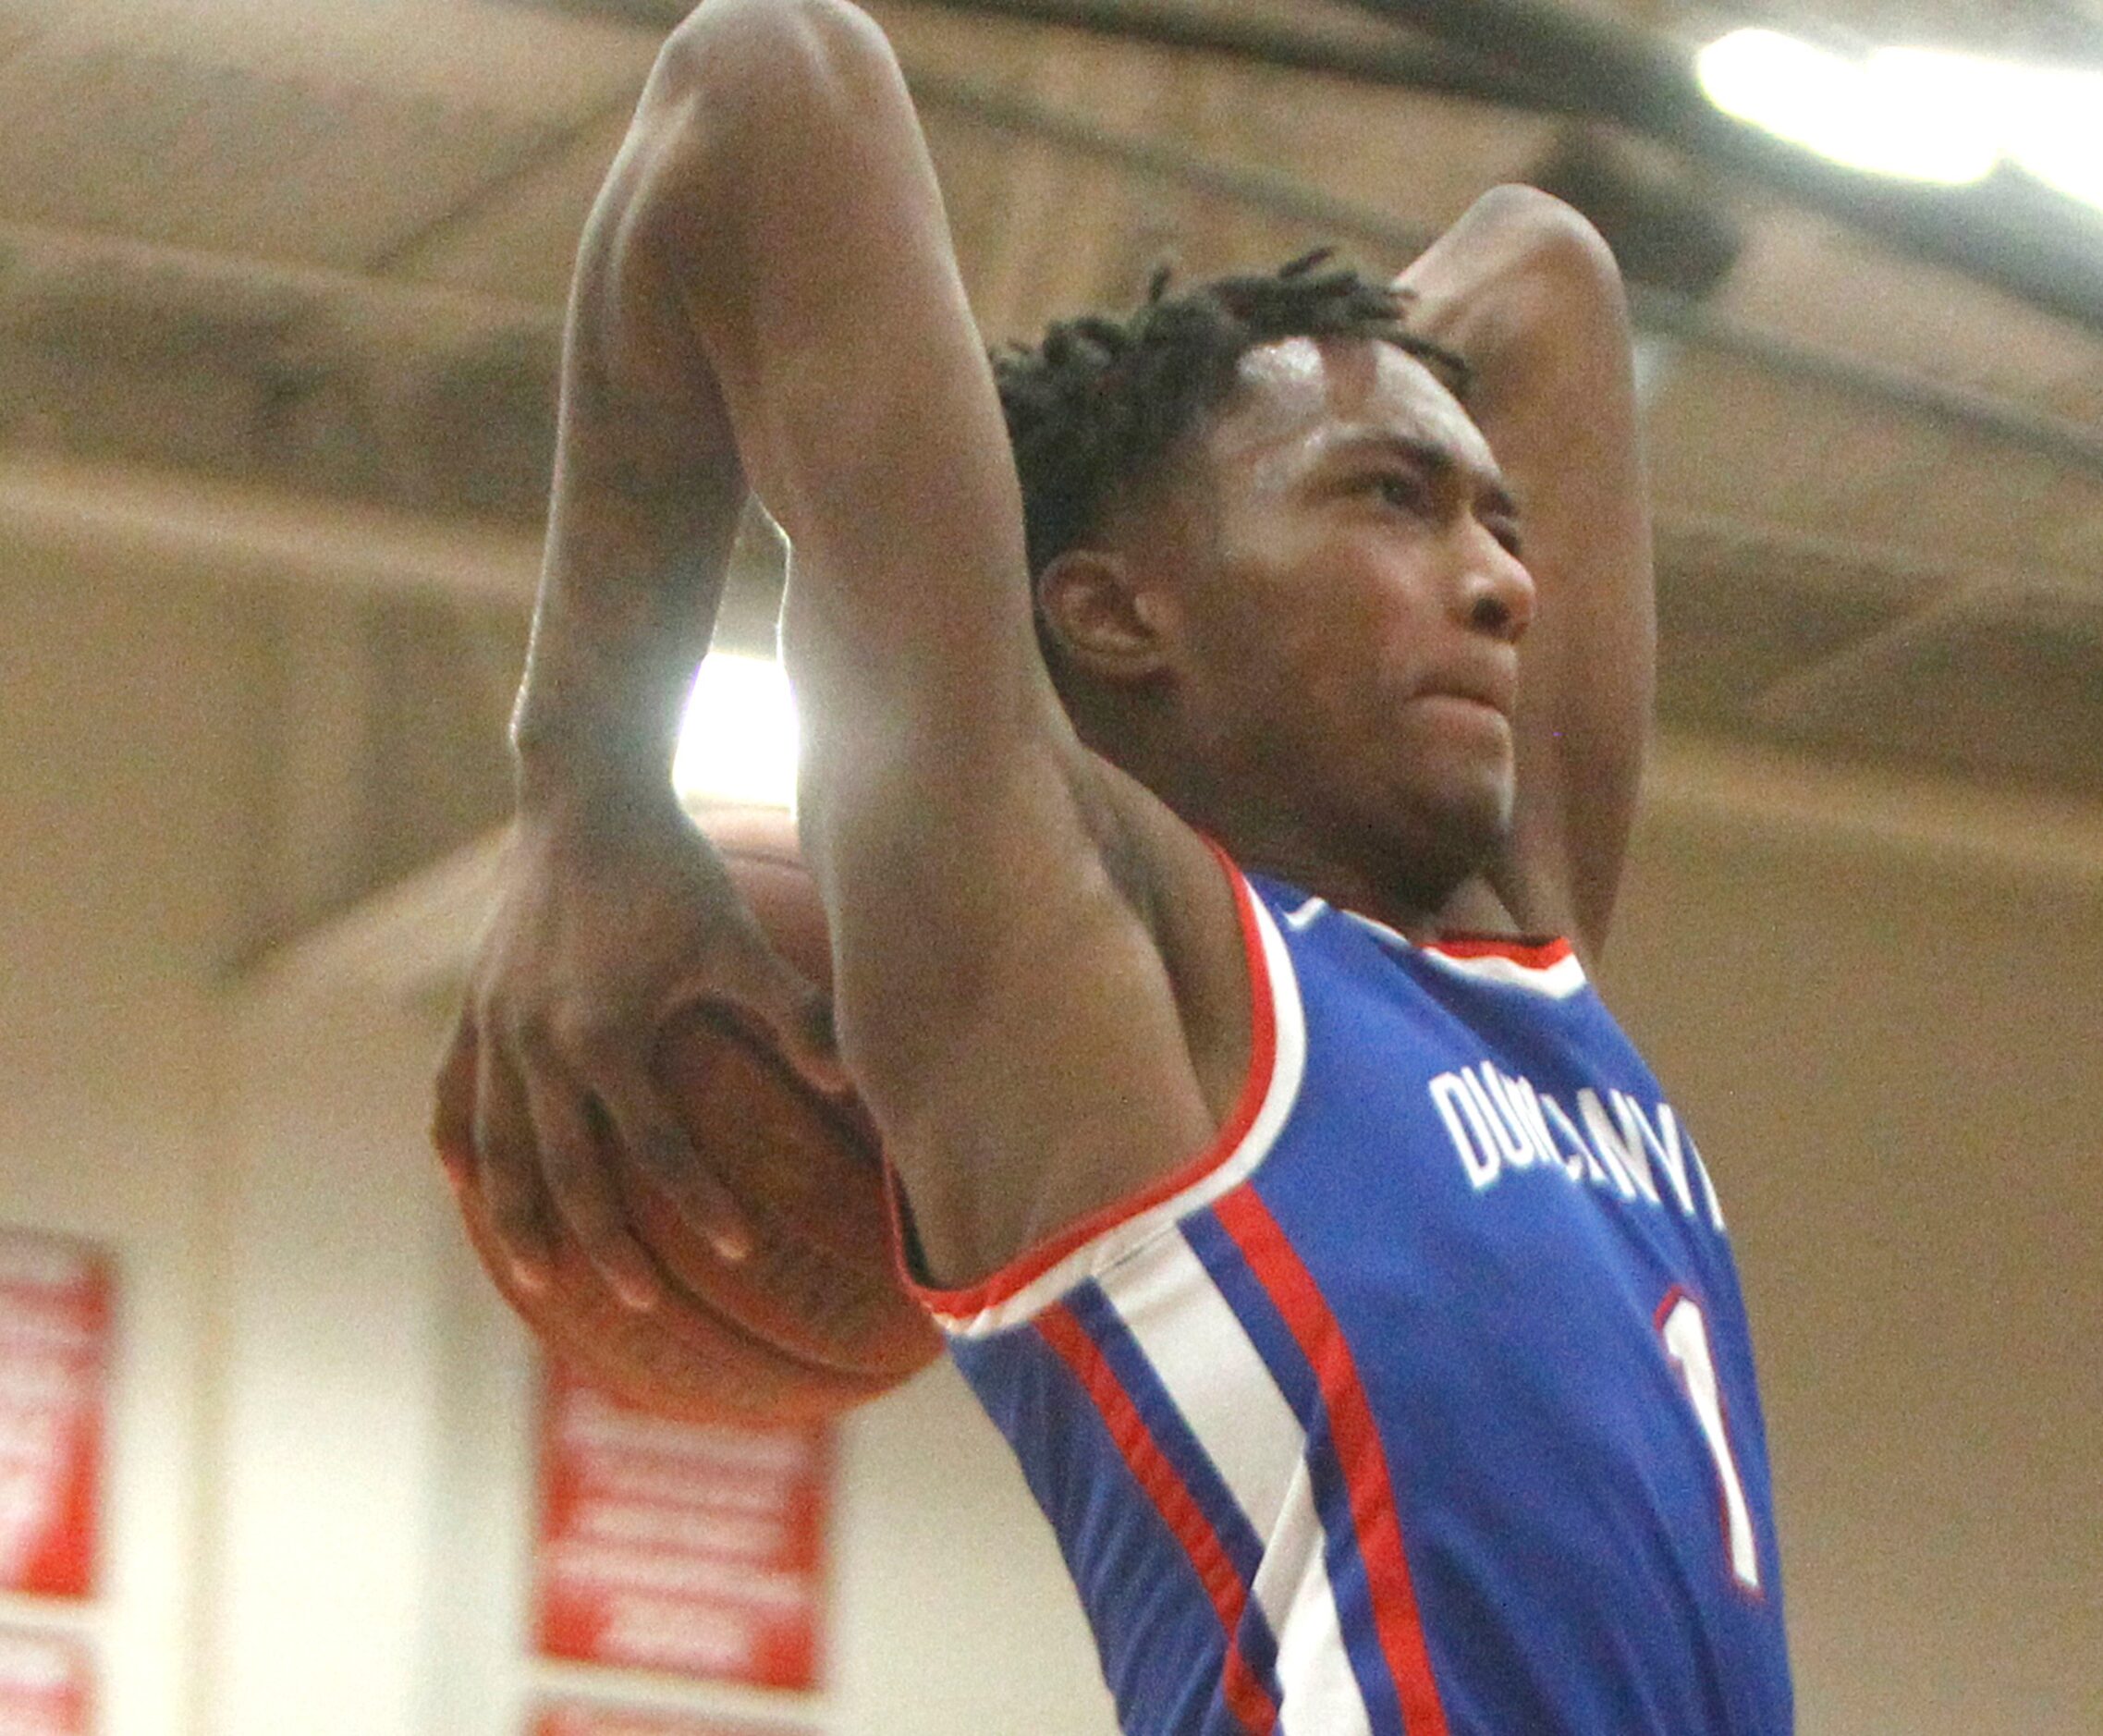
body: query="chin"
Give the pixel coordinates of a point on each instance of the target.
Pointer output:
(1461, 832)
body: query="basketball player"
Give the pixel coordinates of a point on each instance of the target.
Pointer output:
(1217, 773)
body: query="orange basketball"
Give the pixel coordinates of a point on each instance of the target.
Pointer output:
(814, 1319)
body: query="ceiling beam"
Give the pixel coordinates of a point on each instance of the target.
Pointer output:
(1412, 65)
(1678, 316)
(1784, 795)
(2010, 231)
(410, 942)
(158, 522)
(116, 353)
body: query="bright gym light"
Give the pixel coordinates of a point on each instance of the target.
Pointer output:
(1916, 113)
(738, 740)
(1898, 114)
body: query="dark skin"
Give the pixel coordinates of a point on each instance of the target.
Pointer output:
(1330, 579)
(1301, 636)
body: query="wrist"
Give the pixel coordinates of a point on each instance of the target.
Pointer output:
(588, 767)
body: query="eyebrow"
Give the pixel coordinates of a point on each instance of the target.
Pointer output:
(1429, 456)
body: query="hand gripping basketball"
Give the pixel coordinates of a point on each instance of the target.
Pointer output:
(751, 1224)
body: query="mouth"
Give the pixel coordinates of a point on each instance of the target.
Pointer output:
(1488, 690)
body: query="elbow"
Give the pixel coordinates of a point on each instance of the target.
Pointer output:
(1553, 240)
(761, 61)
(1557, 277)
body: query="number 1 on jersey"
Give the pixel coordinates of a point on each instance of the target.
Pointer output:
(1684, 1329)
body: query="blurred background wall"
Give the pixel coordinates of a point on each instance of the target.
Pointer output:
(278, 294)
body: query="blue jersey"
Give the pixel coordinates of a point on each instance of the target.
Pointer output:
(1423, 1402)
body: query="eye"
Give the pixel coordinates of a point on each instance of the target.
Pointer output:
(1398, 489)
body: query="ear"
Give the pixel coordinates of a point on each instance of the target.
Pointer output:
(1104, 620)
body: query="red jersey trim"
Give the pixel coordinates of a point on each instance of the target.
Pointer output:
(1535, 955)
(1243, 1691)
(1027, 1267)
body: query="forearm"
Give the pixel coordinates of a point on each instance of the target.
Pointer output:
(644, 504)
(1526, 292)
(1529, 295)
(775, 246)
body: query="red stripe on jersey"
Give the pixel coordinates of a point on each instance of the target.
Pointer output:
(1245, 1695)
(959, 1304)
(1535, 955)
(1277, 1267)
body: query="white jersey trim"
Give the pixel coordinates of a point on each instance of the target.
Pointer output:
(1557, 980)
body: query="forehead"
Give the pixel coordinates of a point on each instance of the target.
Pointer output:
(1296, 400)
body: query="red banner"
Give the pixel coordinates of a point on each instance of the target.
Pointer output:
(55, 1331)
(46, 1685)
(579, 1719)
(680, 1546)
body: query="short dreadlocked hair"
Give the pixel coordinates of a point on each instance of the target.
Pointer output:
(1100, 402)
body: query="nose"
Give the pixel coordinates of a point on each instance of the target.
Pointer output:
(1498, 593)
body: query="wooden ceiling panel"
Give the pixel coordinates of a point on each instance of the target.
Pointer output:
(1809, 277)
(1738, 616)
(2002, 692)
(516, 238)
(1732, 440)
(20, 22)
(1417, 158)
(230, 160)
(332, 135)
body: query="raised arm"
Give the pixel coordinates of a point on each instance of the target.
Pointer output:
(612, 912)
(1002, 1000)
(1525, 289)
(767, 291)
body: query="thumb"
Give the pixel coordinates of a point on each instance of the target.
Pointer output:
(797, 1015)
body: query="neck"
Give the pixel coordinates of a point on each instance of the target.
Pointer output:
(1375, 878)
(1416, 885)
(1406, 871)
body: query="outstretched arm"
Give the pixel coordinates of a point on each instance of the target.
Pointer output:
(1525, 290)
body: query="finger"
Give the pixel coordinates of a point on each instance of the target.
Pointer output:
(574, 1169)
(650, 1135)
(505, 1151)
(799, 1018)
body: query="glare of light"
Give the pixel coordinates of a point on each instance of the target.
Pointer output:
(737, 740)
(1889, 114)
(2052, 126)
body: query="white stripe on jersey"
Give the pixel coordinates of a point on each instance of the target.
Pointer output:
(1097, 1258)
(1203, 1355)
(1318, 1696)
(1226, 1395)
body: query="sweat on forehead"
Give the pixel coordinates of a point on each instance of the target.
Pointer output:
(1291, 391)
(1103, 403)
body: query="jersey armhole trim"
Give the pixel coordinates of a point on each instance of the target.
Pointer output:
(1041, 1276)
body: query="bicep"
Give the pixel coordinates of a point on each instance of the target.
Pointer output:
(1530, 295)
(996, 987)
(818, 273)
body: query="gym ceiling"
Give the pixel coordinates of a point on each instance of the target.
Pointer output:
(280, 286)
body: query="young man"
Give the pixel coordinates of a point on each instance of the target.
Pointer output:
(1191, 828)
